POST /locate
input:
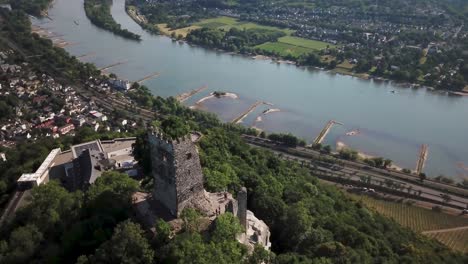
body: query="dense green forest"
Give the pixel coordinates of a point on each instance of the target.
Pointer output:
(160, 12)
(57, 226)
(233, 40)
(95, 227)
(98, 11)
(33, 7)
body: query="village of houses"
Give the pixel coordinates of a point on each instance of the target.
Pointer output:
(44, 107)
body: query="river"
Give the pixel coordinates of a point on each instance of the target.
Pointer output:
(391, 124)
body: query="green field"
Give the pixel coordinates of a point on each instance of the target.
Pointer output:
(294, 46)
(304, 5)
(287, 45)
(216, 22)
(417, 218)
(250, 25)
(344, 68)
(181, 31)
(305, 43)
(457, 240)
(284, 49)
(227, 23)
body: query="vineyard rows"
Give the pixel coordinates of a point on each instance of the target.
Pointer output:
(417, 218)
(457, 240)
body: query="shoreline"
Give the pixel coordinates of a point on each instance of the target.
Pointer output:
(111, 25)
(271, 110)
(279, 60)
(259, 117)
(362, 155)
(213, 95)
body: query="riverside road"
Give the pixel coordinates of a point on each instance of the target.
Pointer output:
(354, 171)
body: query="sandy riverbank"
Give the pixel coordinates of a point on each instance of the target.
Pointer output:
(459, 93)
(271, 110)
(279, 61)
(261, 57)
(353, 133)
(266, 112)
(213, 95)
(341, 145)
(57, 41)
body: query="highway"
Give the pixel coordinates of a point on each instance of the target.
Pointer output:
(355, 171)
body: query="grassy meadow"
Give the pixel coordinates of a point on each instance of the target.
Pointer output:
(294, 46)
(180, 31)
(227, 23)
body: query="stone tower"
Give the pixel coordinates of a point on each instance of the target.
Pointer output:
(177, 172)
(242, 206)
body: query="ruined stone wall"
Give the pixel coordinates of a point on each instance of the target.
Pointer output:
(242, 206)
(189, 175)
(162, 163)
(177, 172)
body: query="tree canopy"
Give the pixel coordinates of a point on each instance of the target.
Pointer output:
(127, 245)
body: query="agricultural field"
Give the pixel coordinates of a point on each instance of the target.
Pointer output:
(217, 22)
(344, 68)
(420, 219)
(284, 49)
(250, 25)
(457, 239)
(416, 218)
(301, 4)
(345, 65)
(305, 43)
(224, 23)
(180, 31)
(287, 45)
(227, 23)
(294, 46)
(424, 57)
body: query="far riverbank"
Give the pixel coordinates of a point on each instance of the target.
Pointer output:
(132, 12)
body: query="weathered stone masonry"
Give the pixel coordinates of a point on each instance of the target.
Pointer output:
(178, 181)
(177, 172)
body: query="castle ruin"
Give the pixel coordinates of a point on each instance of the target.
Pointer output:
(177, 172)
(178, 180)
